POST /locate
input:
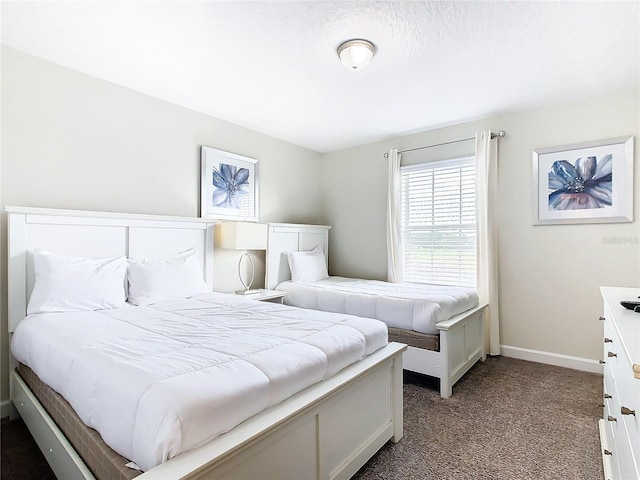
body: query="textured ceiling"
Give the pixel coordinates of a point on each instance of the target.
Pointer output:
(272, 65)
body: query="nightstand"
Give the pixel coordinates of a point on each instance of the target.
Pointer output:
(273, 296)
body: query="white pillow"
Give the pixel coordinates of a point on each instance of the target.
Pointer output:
(68, 284)
(152, 281)
(308, 266)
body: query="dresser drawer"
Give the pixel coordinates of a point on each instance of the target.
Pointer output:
(615, 421)
(629, 400)
(613, 351)
(609, 405)
(609, 459)
(609, 428)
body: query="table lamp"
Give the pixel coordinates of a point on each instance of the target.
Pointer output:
(242, 236)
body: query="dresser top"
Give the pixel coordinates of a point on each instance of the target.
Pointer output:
(627, 322)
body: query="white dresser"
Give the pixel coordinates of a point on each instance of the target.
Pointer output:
(620, 426)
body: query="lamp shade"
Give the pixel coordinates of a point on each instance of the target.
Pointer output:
(241, 235)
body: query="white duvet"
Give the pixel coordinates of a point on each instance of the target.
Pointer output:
(410, 306)
(160, 380)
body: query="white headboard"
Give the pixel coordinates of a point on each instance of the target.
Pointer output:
(96, 235)
(290, 237)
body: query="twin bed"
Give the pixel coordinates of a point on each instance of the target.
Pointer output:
(442, 325)
(186, 383)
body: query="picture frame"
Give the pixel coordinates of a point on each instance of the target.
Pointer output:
(590, 182)
(228, 185)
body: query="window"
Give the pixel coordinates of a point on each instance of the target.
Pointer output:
(438, 225)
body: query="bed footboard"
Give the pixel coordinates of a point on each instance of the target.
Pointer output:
(461, 346)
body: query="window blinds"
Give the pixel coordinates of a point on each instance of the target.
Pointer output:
(438, 225)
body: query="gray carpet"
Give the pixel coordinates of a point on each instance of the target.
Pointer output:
(508, 419)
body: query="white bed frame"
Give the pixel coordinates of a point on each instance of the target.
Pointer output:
(462, 337)
(322, 432)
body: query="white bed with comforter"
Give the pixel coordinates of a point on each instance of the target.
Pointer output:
(186, 383)
(186, 371)
(409, 306)
(444, 326)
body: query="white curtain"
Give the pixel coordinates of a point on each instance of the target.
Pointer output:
(487, 234)
(394, 247)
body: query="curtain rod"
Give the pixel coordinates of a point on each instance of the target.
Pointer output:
(500, 134)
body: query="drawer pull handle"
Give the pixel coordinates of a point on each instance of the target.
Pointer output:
(611, 354)
(606, 395)
(607, 452)
(607, 340)
(601, 362)
(602, 319)
(612, 419)
(627, 411)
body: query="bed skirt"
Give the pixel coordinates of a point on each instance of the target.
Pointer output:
(101, 460)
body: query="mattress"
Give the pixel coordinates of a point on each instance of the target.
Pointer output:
(161, 380)
(425, 341)
(408, 306)
(102, 461)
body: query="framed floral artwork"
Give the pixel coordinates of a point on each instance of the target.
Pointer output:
(589, 182)
(228, 185)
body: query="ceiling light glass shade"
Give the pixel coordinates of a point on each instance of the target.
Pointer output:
(356, 54)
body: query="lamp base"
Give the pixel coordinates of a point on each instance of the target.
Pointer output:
(248, 291)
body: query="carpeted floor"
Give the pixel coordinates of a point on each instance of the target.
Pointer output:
(21, 458)
(508, 419)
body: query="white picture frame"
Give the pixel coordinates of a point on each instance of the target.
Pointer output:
(590, 182)
(228, 185)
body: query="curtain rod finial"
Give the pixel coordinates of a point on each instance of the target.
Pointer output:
(500, 134)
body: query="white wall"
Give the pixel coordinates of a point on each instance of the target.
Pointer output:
(73, 141)
(549, 275)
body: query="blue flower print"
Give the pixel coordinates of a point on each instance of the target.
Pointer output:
(230, 183)
(585, 185)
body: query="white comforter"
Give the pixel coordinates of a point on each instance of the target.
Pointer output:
(157, 381)
(410, 306)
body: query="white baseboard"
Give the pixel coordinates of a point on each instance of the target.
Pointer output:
(7, 409)
(567, 361)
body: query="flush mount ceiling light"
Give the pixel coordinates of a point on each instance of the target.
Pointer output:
(355, 54)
